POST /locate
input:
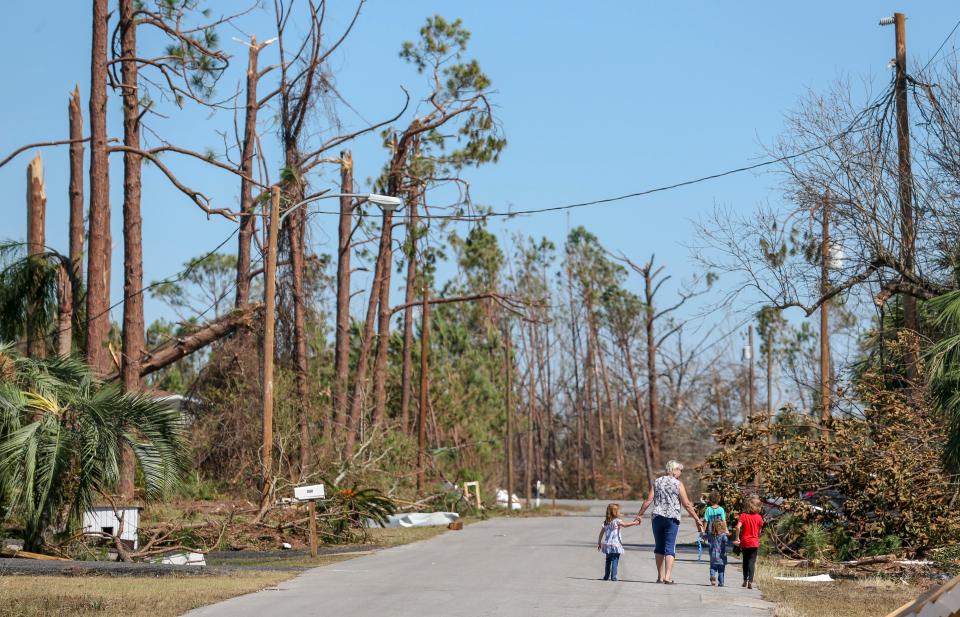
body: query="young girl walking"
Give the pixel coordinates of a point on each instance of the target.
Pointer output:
(718, 552)
(749, 525)
(610, 543)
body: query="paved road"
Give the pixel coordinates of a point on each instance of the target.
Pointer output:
(504, 568)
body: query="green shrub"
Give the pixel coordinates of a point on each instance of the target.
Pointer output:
(816, 542)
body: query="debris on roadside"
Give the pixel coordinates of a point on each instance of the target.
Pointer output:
(816, 578)
(184, 559)
(417, 519)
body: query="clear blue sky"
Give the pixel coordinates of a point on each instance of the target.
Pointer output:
(596, 99)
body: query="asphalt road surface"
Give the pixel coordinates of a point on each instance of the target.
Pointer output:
(506, 568)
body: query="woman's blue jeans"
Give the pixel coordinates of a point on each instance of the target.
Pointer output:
(665, 535)
(610, 567)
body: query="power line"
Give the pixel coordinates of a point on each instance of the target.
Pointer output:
(942, 45)
(851, 128)
(173, 279)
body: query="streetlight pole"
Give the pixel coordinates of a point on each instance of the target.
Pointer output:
(269, 319)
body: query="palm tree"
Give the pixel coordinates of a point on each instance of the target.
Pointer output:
(31, 295)
(61, 431)
(943, 359)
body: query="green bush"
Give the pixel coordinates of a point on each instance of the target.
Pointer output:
(816, 542)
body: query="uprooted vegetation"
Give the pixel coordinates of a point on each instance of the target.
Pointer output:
(876, 487)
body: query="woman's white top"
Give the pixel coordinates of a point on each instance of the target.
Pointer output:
(666, 497)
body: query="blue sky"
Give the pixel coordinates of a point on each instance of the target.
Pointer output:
(596, 99)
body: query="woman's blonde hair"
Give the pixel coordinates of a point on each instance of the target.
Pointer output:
(672, 466)
(752, 504)
(613, 513)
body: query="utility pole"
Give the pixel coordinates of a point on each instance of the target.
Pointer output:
(424, 393)
(532, 396)
(770, 383)
(508, 369)
(824, 322)
(907, 233)
(269, 300)
(751, 394)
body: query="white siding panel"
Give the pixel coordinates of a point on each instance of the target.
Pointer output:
(99, 518)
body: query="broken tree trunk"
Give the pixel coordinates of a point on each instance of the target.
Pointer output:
(65, 286)
(36, 246)
(296, 226)
(383, 322)
(99, 247)
(248, 221)
(653, 401)
(341, 360)
(133, 322)
(363, 360)
(406, 372)
(76, 198)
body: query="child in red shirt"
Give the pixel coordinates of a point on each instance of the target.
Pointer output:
(749, 525)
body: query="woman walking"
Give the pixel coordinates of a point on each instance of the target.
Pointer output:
(668, 495)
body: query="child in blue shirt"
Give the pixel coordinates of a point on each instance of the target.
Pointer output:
(718, 552)
(714, 512)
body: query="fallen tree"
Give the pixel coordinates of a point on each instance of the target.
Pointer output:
(179, 347)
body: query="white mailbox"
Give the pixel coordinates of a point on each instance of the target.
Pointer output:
(307, 493)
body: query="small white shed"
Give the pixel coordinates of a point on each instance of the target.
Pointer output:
(123, 521)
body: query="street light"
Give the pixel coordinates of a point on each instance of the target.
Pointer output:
(389, 204)
(386, 202)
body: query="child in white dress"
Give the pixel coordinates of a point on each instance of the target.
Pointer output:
(610, 543)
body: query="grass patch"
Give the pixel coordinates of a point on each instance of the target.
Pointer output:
(295, 561)
(96, 596)
(405, 535)
(64, 596)
(869, 597)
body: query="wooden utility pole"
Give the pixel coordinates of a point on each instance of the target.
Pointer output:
(424, 392)
(824, 323)
(907, 234)
(531, 415)
(770, 383)
(269, 317)
(36, 245)
(508, 370)
(751, 394)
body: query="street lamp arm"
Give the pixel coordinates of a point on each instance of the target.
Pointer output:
(386, 202)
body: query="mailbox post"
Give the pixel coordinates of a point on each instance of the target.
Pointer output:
(311, 494)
